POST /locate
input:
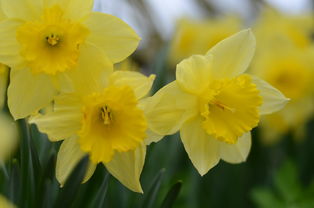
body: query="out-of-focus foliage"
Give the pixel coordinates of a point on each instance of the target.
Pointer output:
(286, 190)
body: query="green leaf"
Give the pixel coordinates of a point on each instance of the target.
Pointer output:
(71, 187)
(264, 198)
(99, 199)
(150, 197)
(172, 195)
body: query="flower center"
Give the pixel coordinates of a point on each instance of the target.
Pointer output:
(111, 122)
(230, 108)
(51, 44)
(106, 115)
(53, 39)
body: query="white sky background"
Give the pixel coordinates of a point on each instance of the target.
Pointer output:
(167, 12)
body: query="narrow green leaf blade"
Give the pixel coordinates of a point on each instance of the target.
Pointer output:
(172, 195)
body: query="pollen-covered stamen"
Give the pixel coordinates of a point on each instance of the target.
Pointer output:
(106, 115)
(53, 39)
(220, 105)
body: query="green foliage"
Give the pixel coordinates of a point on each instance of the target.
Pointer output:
(287, 191)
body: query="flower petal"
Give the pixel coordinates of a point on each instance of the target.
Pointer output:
(25, 10)
(112, 35)
(233, 55)
(193, 74)
(9, 47)
(152, 137)
(68, 156)
(203, 150)
(63, 122)
(28, 93)
(140, 83)
(127, 167)
(169, 108)
(74, 9)
(238, 152)
(273, 99)
(90, 76)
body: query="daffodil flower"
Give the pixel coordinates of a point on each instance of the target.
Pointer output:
(214, 103)
(44, 41)
(104, 119)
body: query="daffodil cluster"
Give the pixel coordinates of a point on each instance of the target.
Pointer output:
(61, 57)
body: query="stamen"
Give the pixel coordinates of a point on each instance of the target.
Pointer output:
(53, 39)
(106, 115)
(222, 106)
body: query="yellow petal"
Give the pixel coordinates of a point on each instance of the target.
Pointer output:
(25, 9)
(4, 75)
(140, 83)
(63, 122)
(28, 93)
(74, 9)
(233, 55)
(68, 156)
(9, 47)
(152, 137)
(169, 108)
(273, 99)
(8, 137)
(203, 150)
(5, 203)
(90, 76)
(127, 167)
(238, 152)
(193, 74)
(112, 35)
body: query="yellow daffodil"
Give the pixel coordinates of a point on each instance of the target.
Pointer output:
(4, 203)
(214, 103)
(273, 28)
(3, 83)
(105, 120)
(8, 137)
(195, 36)
(291, 70)
(44, 41)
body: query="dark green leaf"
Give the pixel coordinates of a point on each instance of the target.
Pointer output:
(150, 197)
(172, 195)
(68, 192)
(99, 199)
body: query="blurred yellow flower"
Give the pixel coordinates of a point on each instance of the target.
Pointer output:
(214, 104)
(195, 36)
(273, 28)
(4, 203)
(43, 42)
(291, 70)
(4, 75)
(105, 120)
(8, 137)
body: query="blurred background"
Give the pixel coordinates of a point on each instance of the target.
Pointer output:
(279, 171)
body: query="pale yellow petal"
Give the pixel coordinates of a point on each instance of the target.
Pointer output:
(273, 99)
(169, 108)
(64, 121)
(68, 157)
(233, 55)
(90, 76)
(140, 83)
(74, 9)
(25, 9)
(5, 203)
(111, 34)
(9, 47)
(4, 75)
(238, 152)
(152, 137)
(28, 93)
(127, 167)
(8, 137)
(203, 150)
(194, 74)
